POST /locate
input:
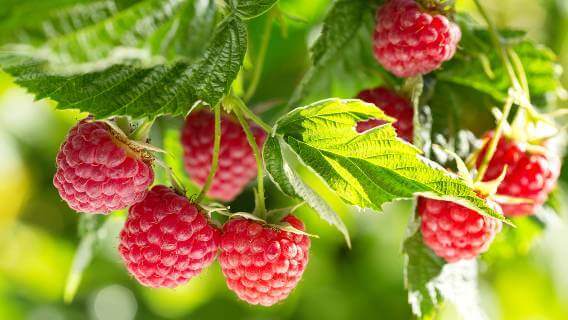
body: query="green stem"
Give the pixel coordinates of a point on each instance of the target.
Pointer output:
(236, 103)
(261, 57)
(215, 159)
(494, 141)
(496, 39)
(260, 210)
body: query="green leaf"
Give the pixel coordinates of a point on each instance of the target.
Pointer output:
(33, 22)
(274, 164)
(485, 71)
(137, 90)
(112, 38)
(372, 168)
(342, 51)
(421, 267)
(295, 179)
(186, 33)
(248, 9)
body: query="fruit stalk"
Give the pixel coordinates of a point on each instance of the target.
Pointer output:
(215, 158)
(260, 210)
(267, 32)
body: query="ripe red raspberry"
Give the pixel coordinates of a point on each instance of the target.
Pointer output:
(409, 41)
(529, 175)
(393, 105)
(237, 165)
(455, 232)
(97, 173)
(263, 265)
(167, 240)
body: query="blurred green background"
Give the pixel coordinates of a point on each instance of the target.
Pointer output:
(38, 232)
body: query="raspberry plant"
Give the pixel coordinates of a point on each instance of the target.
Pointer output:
(423, 70)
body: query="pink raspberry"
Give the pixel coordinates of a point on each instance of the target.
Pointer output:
(167, 240)
(263, 265)
(409, 41)
(237, 165)
(530, 176)
(455, 232)
(97, 173)
(394, 106)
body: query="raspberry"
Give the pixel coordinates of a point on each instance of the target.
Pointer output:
(529, 175)
(393, 105)
(97, 173)
(455, 232)
(263, 265)
(167, 240)
(237, 165)
(409, 41)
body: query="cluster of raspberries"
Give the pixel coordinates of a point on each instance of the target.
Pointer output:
(167, 239)
(410, 40)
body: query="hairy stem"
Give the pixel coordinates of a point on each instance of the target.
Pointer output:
(236, 103)
(215, 159)
(494, 141)
(260, 209)
(267, 32)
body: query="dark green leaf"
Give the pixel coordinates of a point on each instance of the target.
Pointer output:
(136, 90)
(33, 22)
(248, 9)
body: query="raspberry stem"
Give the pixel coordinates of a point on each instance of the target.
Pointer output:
(231, 101)
(260, 209)
(215, 159)
(267, 32)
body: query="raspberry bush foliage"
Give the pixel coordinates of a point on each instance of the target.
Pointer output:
(393, 106)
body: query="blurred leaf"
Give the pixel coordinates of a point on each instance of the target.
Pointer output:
(91, 230)
(248, 9)
(186, 33)
(512, 243)
(365, 169)
(109, 39)
(342, 56)
(136, 90)
(33, 22)
(485, 71)
(421, 267)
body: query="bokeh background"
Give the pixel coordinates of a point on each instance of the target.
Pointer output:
(39, 233)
